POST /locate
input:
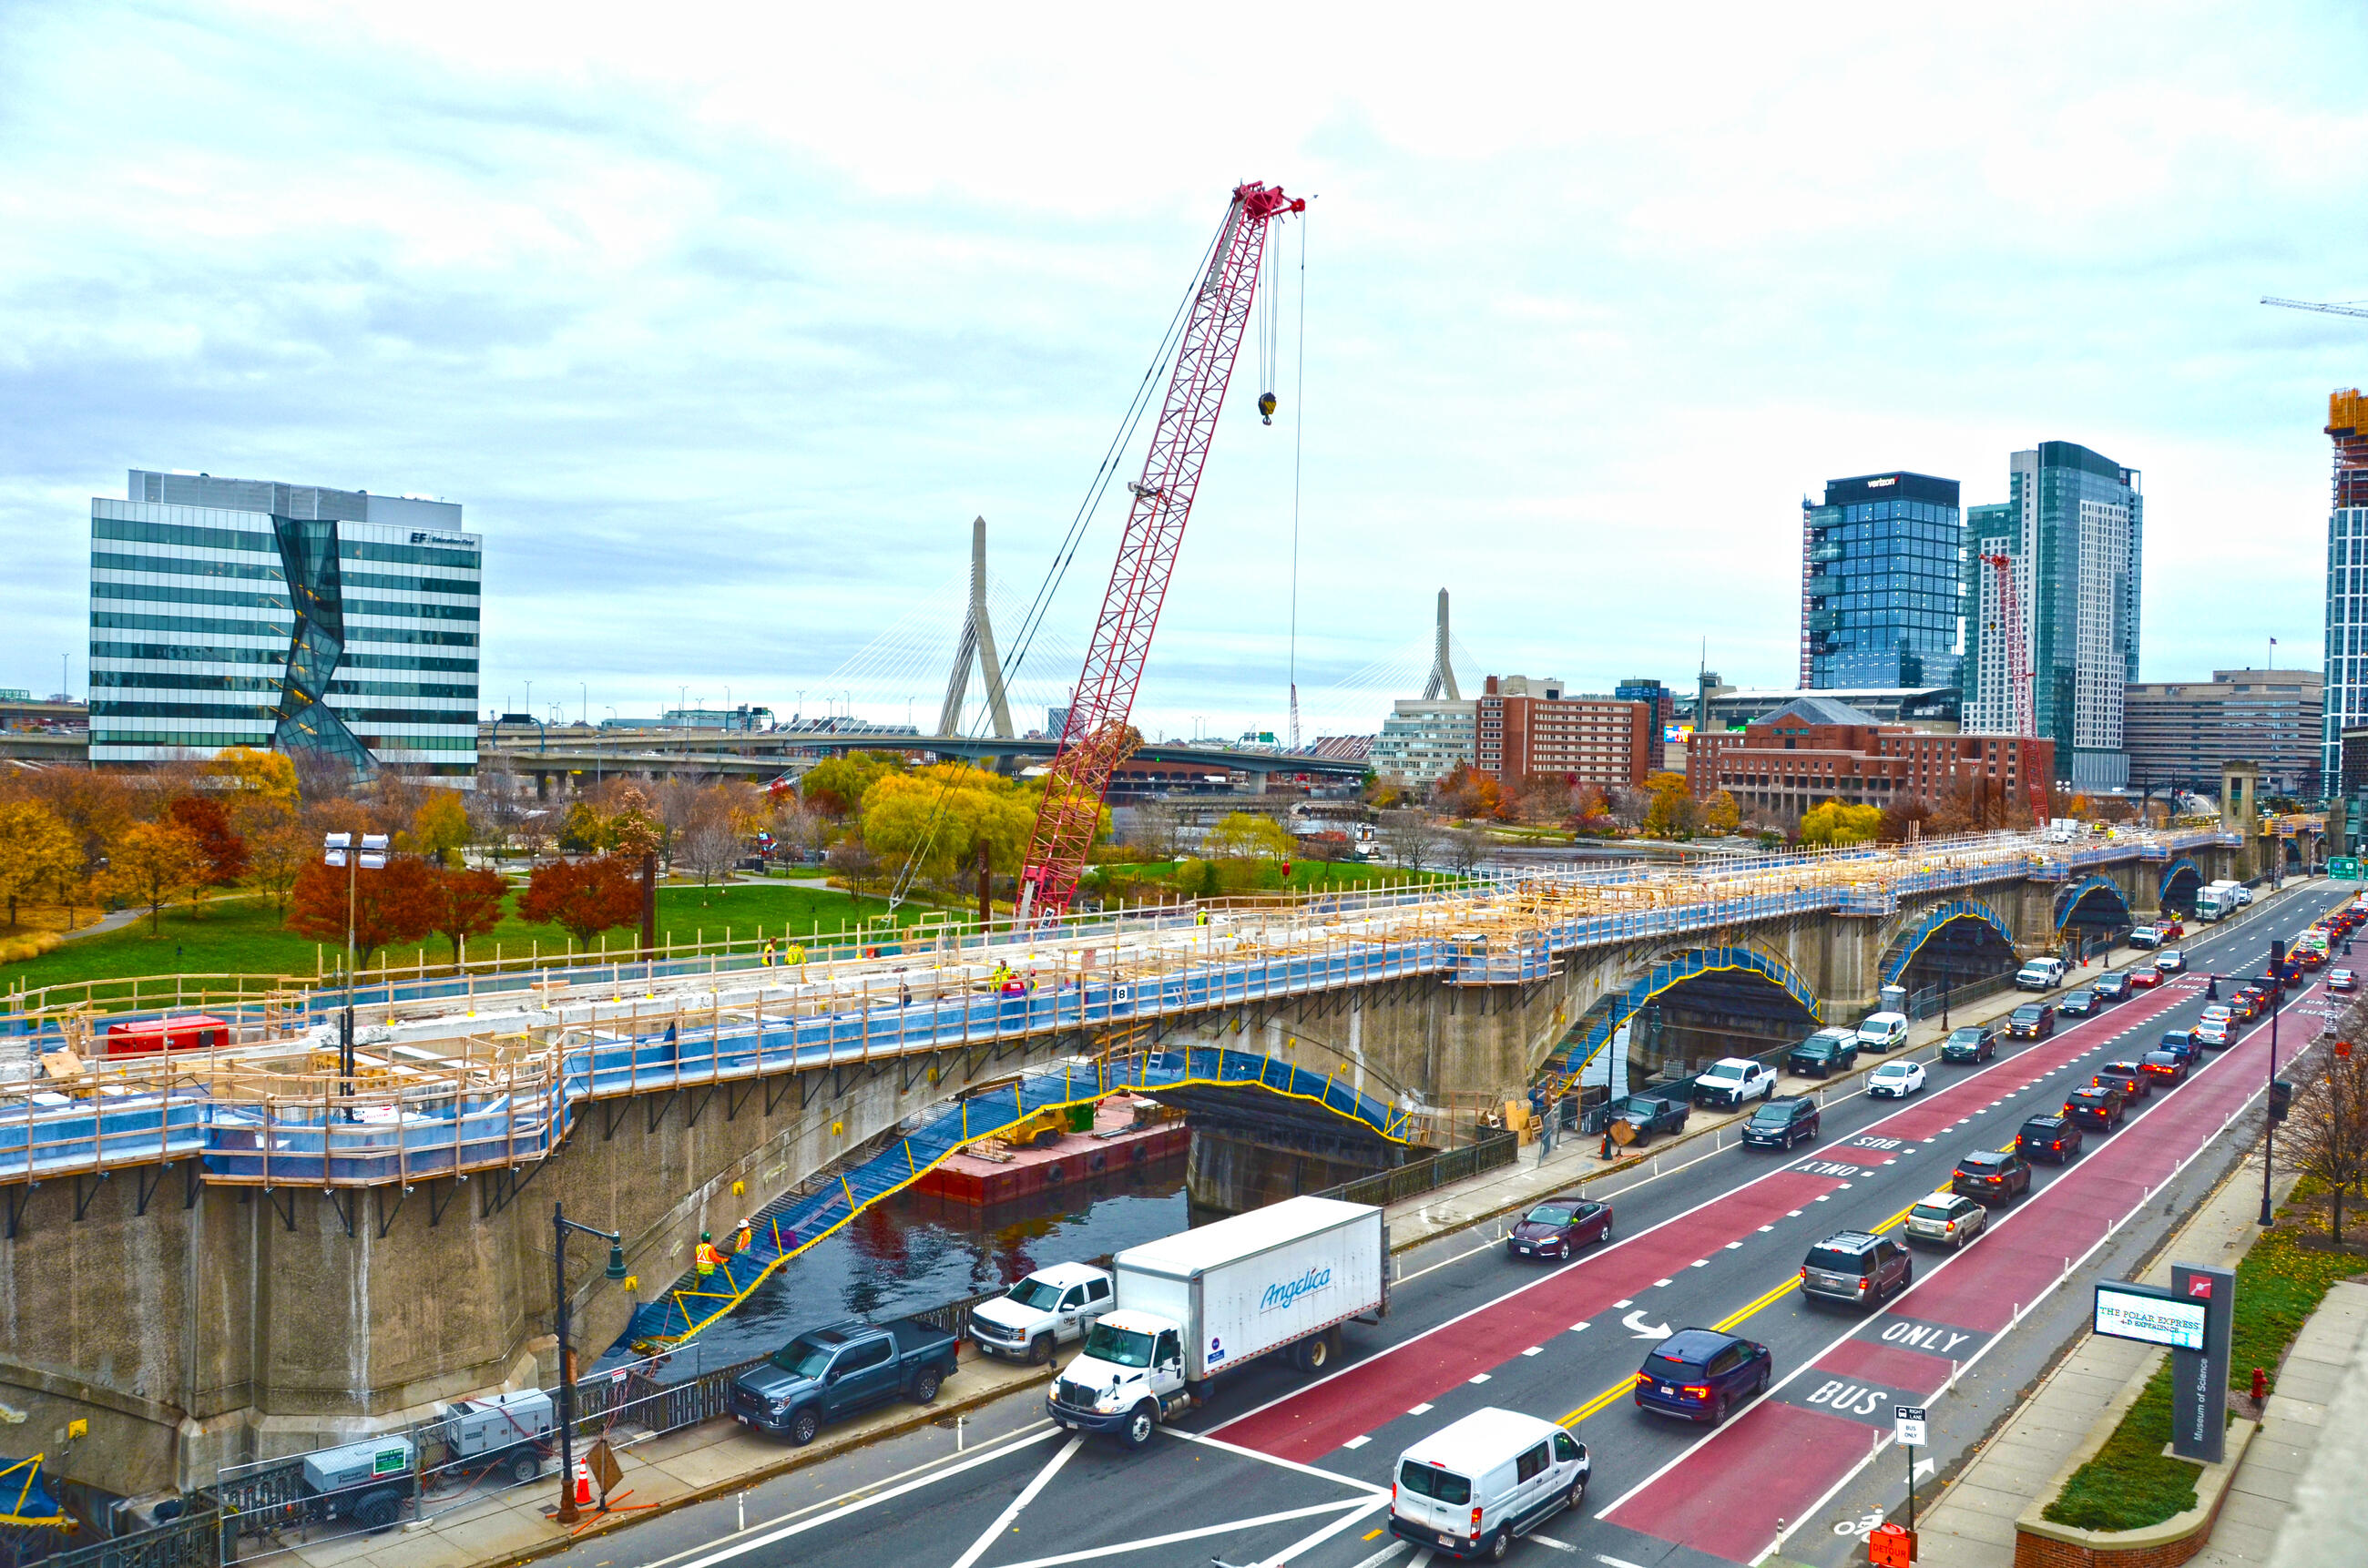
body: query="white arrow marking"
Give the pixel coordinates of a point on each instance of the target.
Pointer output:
(1634, 1323)
(1925, 1468)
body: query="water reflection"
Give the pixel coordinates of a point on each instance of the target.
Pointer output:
(917, 1250)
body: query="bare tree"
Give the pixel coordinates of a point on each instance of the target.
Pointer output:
(710, 846)
(853, 860)
(1465, 848)
(1411, 837)
(2326, 1130)
(1155, 830)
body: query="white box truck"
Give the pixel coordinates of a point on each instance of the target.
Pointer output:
(1198, 1304)
(2220, 900)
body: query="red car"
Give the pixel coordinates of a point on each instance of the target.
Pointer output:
(2145, 979)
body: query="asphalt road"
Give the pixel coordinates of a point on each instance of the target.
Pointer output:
(1281, 1470)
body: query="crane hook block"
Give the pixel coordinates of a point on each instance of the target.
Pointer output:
(1265, 408)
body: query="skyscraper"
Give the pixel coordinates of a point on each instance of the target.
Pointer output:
(2074, 525)
(2347, 580)
(1879, 583)
(242, 612)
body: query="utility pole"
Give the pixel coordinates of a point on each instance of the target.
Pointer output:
(561, 1225)
(2270, 1120)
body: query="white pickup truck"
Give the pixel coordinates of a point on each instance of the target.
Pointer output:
(1050, 1307)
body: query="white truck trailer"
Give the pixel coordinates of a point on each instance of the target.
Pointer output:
(2220, 900)
(1197, 1304)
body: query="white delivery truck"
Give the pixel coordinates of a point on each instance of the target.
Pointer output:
(2220, 900)
(1198, 1304)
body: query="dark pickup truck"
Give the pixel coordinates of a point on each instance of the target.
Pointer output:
(835, 1372)
(1649, 1115)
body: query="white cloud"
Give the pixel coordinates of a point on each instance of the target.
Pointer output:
(725, 322)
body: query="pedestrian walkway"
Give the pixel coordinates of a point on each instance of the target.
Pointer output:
(1972, 1526)
(2322, 1396)
(714, 1458)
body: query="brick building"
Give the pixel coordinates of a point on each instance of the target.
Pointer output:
(1531, 726)
(1815, 749)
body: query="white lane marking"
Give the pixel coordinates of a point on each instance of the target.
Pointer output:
(1534, 1350)
(1614, 1562)
(1013, 1509)
(1309, 1542)
(1277, 1461)
(859, 1505)
(1578, 1327)
(1477, 1378)
(1385, 1553)
(1357, 1442)
(1733, 1246)
(1422, 1409)
(1148, 1542)
(1699, 1263)
(1549, 1541)
(1616, 1305)
(1659, 1283)
(1793, 1214)
(1765, 1229)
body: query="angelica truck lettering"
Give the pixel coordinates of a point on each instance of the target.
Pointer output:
(1288, 1291)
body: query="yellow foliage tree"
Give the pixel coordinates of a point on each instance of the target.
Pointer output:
(1672, 813)
(249, 775)
(1833, 822)
(439, 828)
(153, 864)
(1724, 816)
(937, 817)
(35, 847)
(1249, 846)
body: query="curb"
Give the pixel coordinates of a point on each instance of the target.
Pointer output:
(795, 1459)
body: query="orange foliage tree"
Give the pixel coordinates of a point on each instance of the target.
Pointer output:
(467, 903)
(206, 822)
(394, 904)
(583, 897)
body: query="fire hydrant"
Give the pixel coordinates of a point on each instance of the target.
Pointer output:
(2260, 1385)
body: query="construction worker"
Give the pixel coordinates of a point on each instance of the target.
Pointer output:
(766, 958)
(745, 1239)
(707, 1258)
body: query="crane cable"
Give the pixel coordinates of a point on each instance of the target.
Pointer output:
(1298, 441)
(1064, 553)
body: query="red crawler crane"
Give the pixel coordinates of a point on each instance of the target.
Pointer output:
(1097, 737)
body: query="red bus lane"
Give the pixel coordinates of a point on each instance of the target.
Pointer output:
(1318, 1419)
(1772, 1466)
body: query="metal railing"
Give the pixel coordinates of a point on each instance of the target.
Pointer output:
(1394, 1185)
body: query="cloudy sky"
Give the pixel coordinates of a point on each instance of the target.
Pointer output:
(723, 323)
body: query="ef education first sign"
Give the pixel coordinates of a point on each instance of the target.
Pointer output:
(2191, 1319)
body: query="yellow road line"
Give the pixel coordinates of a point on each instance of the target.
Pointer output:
(1769, 1298)
(1623, 1386)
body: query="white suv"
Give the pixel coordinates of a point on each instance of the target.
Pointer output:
(1733, 1080)
(2040, 974)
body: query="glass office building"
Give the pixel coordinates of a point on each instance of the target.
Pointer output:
(1880, 573)
(330, 623)
(2347, 585)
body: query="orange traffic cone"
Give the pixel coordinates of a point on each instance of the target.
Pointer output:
(582, 1483)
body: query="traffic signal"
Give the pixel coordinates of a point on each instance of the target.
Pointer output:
(2281, 1098)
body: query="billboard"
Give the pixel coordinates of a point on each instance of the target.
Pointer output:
(2150, 1316)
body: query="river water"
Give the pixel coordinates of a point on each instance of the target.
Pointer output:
(916, 1251)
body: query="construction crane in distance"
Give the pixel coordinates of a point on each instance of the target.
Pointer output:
(1096, 737)
(2314, 305)
(2024, 719)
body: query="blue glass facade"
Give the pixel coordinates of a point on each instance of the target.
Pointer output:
(1880, 576)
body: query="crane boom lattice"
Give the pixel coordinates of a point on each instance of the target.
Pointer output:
(1098, 737)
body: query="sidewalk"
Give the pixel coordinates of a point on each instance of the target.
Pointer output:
(1973, 1524)
(712, 1458)
(2323, 1502)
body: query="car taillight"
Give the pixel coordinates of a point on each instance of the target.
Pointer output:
(1475, 1518)
(1804, 1273)
(1948, 1229)
(1862, 1284)
(2057, 1144)
(1993, 1180)
(1697, 1390)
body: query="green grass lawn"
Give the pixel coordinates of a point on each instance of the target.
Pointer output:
(2131, 1483)
(242, 936)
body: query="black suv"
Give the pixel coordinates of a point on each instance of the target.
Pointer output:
(1780, 1124)
(2032, 1020)
(2112, 987)
(1991, 1174)
(2101, 1108)
(1856, 1268)
(1824, 1052)
(2055, 1139)
(1975, 1042)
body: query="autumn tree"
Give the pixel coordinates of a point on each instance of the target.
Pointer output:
(1834, 823)
(1591, 809)
(1245, 836)
(838, 785)
(1721, 815)
(205, 821)
(275, 855)
(467, 903)
(1465, 792)
(2326, 1130)
(1538, 799)
(153, 864)
(392, 905)
(439, 828)
(853, 858)
(935, 820)
(254, 786)
(35, 849)
(1906, 820)
(1670, 811)
(584, 897)
(583, 830)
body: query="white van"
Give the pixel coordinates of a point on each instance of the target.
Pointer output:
(1882, 1031)
(1468, 1488)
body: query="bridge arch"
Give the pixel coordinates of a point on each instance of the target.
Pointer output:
(1752, 978)
(2182, 881)
(2091, 900)
(1945, 918)
(791, 1226)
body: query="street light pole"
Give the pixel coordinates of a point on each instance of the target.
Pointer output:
(2268, 1120)
(560, 1224)
(339, 849)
